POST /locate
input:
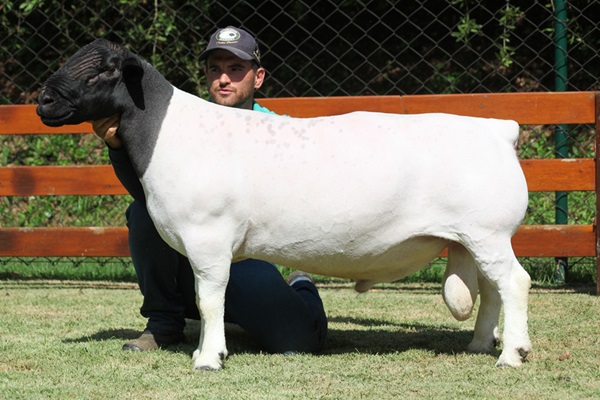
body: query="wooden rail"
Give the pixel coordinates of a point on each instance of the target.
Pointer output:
(546, 175)
(543, 175)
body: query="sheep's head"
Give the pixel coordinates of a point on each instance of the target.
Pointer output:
(96, 82)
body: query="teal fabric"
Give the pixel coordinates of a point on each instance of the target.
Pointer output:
(259, 108)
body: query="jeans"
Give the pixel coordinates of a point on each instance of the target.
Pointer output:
(280, 317)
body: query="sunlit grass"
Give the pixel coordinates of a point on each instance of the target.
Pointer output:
(63, 340)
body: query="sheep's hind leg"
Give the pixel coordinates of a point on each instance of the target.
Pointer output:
(500, 266)
(486, 336)
(516, 344)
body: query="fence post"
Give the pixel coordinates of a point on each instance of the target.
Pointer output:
(597, 157)
(561, 137)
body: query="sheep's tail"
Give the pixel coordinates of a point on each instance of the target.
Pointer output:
(510, 132)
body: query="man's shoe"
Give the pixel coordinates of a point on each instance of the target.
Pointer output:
(149, 341)
(298, 276)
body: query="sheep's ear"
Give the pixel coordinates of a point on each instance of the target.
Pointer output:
(132, 69)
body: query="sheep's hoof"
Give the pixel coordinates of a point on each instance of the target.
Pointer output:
(504, 363)
(206, 368)
(206, 365)
(513, 360)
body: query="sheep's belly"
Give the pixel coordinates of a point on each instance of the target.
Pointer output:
(390, 264)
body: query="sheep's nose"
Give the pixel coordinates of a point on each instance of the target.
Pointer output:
(45, 98)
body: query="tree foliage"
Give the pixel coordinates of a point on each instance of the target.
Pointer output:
(320, 48)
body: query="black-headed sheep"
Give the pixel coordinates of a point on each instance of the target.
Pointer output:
(367, 196)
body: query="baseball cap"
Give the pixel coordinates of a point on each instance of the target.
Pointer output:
(235, 40)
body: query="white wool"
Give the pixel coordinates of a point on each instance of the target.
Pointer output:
(367, 196)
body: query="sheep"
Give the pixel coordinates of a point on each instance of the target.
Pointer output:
(367, 196)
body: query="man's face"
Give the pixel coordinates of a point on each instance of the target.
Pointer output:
(232, 81)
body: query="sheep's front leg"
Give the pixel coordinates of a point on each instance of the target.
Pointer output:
(211, 283)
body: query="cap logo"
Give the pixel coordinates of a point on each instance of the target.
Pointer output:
(228, 35)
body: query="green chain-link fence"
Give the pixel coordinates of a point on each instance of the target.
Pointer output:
(310, 48)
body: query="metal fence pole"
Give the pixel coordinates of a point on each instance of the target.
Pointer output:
(561, 135)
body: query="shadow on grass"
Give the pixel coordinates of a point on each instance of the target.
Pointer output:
(589, 289)
(238, 341)
(109, 334)
(378, 338)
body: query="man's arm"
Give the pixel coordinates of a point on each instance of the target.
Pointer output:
(106, 129)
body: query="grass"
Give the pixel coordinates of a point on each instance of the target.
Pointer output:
(62, 340)
(113, 269)
(541, 270)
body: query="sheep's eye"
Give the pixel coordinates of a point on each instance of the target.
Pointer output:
(108, 72)
(92, 80)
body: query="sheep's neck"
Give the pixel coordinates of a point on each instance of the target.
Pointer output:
(142, 120)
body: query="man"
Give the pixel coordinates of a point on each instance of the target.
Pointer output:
(281, 317)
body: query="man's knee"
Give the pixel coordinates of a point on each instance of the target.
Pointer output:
(137, 215)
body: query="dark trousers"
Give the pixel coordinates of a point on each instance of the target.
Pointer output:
(280, 317)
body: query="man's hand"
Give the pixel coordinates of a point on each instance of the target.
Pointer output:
(106, 129)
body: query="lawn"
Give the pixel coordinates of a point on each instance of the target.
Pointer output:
(62, 340)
